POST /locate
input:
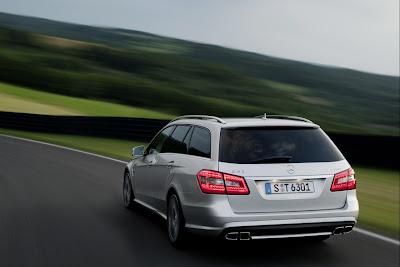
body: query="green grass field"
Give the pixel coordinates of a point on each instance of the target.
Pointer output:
(19, 99)
(377, 189)
(378, 193)
(12, 103)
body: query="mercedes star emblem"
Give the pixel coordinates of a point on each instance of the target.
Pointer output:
(290, 169)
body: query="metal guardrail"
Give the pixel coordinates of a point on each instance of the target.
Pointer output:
(368, 150)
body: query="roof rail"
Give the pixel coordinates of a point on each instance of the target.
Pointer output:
(284, 117)
(200, 117)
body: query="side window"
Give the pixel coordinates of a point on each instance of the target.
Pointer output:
(175, 142)
(158, 142)
(187, 138)
(200, 143)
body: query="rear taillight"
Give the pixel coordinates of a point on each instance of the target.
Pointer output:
(235, 185)
(221, 183)
(344, 181)
(211, 182)
(351, 184)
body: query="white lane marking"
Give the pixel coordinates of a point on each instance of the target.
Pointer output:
(377, 236)
(356, 229)
(67, 148)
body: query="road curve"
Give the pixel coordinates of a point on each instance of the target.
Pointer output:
(64, 208)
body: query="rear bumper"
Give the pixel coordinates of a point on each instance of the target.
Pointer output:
(218, 219)
(287, 230)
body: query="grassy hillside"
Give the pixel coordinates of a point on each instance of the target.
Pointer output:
(10, 103)
(180, 77)
(20, 99)
(266, 67)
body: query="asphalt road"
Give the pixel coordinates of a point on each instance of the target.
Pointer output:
(64, 208)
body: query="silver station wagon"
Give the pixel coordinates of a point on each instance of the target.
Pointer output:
(244, 178)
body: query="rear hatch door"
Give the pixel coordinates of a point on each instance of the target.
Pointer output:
(311, 183)
(287, 168)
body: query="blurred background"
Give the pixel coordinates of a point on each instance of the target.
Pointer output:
(247, 59)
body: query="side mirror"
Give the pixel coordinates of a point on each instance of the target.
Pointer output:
(138, 151)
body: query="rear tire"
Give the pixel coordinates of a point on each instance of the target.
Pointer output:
(175, 222)
(127, 192)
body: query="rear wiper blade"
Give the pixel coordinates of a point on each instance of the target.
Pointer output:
(273, 160)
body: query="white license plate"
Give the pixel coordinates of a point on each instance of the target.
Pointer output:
(284, 188)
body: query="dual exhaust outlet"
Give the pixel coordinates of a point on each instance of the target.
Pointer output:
(342, 230)
(247, 236)
(238, 236)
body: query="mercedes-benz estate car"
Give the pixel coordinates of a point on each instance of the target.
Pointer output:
(244, 178)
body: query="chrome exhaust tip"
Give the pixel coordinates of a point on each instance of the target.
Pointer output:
(342, 230)
(347, 229)
(245, 236)
(339, 230)
(232, 236)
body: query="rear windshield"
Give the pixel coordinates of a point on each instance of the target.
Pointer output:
(276, 145)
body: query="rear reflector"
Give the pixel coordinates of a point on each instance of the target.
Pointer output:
(344, 181)
(213, 182)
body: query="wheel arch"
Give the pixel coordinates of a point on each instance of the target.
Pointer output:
(172, 190)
